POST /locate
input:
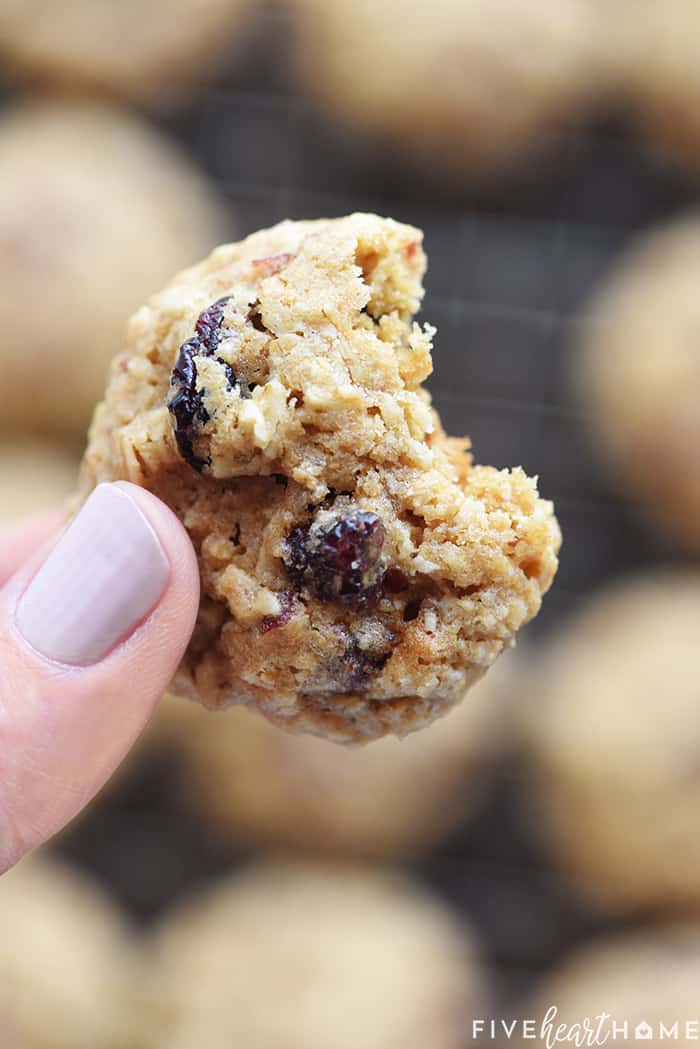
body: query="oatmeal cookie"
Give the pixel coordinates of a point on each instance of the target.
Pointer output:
(614, 737)
(96, 211)
(34, 476)
(460, 86)
(324, 958)
(638, 378)
(148, 51)
(358, 571)
(248, 781)
(646, 978)
(64, 961)
(658, 69)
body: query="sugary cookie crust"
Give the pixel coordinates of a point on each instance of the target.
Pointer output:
(358, 571)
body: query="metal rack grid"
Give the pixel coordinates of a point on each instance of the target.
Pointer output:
(510, 269)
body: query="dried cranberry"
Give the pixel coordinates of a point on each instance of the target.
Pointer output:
(186, 404)
(208, 326)
(286, 600)
(395, 581)
(354, 670)
(361, 665)
(272, 264)
(338, 562)
(255, 318)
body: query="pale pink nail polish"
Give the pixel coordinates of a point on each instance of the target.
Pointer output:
(105, 574)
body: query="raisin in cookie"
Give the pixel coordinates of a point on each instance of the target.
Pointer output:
(245, 780)
(643, 979)
(319, 957)
(638, 378)
(148, 50)
(358, 571)
(65, 961)
(459, 86)
(97, 210)
(614, 737)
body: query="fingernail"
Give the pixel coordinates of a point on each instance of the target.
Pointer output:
(106, 573)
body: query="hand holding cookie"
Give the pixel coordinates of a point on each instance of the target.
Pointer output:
(111, 602)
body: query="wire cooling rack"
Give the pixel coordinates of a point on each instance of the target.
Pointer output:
(510, 269)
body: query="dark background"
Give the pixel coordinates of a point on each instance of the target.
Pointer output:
(510, 269)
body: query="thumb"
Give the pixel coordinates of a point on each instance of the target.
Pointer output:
(89, 640)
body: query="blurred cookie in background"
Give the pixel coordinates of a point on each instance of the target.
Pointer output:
(613, 732)
(461, 86)
(325, 958)
(246, 780)
(34, 475)
(637, 377)
(656, 65)
(646, 979)
(64, 961)
(148, 51)
(96, 211)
